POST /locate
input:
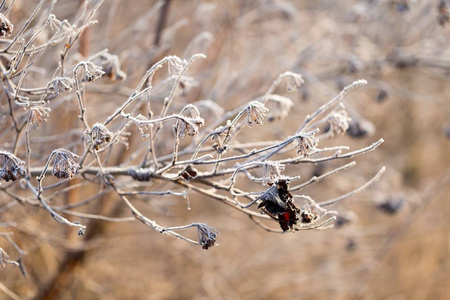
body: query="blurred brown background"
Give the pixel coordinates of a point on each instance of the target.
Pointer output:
(399, 245)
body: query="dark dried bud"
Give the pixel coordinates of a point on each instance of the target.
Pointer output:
(345, 218)
(188, 173)
(140, 174)
(277, 203)
(307, 216)
(447, 131)
(360, 128)
(444, 13)
(219, 148)
(381, 95)
(391, 205)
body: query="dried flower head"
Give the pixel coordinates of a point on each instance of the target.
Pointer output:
(111, 65)
(176, 65)
(88, 72)
(294, 82)
(256, 111)
(338, 122)
(64, 165)
(143, 128)
(4, 257)
(219, 134)
(281, 108)
(271, 172)
(59, 85)
(11, 167)
(188, 126)
(39, 114)
(6, 27)
(100, 135)
(306, 142)
(311, 213)
(206, 235)
(64, 25)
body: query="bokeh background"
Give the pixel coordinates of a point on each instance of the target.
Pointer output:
(398, 243)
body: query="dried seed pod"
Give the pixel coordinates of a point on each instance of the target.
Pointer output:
(39, 114)
(88, 72)
(338, 122)
(256, 111)
(11, 167)
(64, 165)
(189, 125)
(294, 82)
(176, 65)
(306, 142)
(100, 135)
(6, 27)
(206, 235)
(59, 85)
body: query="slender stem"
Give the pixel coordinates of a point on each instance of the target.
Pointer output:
(355, 191)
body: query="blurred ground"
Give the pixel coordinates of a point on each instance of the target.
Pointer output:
(398, 46)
